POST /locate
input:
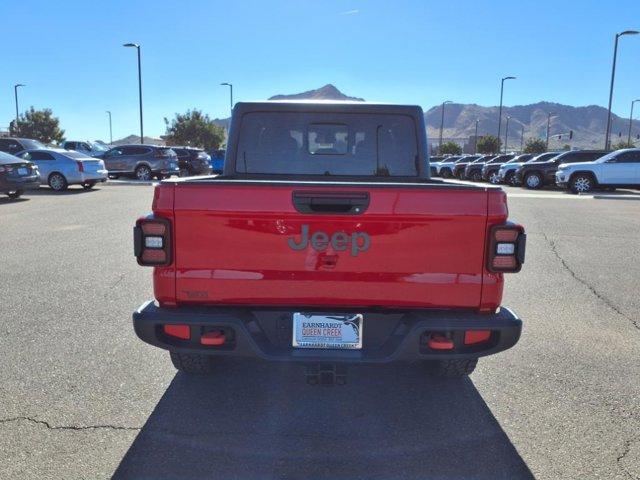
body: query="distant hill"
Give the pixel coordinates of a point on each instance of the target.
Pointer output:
(328, 92)
(588, 123)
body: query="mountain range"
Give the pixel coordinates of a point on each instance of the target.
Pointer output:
(587, 123)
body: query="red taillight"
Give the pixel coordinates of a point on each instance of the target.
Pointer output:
(178, 331)
(505, 248)
(472, 337)
(152, 241)
(80, 166)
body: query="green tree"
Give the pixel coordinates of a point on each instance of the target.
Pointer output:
(194, 129)
(39, 125)
(535, 145)
(489, 144)
(622, 144)
(450, 148)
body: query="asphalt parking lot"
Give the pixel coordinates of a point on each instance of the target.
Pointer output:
(82, 397)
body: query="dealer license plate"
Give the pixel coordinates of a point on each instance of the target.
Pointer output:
(341, 331)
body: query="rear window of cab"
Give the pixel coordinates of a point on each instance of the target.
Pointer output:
(379, 145)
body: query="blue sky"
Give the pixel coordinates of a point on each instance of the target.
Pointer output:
(70, 56)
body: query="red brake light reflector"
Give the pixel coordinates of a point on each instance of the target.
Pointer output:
(178, 331)
(476, 336)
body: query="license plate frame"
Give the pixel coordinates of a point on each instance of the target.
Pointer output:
(327, 331)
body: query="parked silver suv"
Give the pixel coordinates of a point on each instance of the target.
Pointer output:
(142, 161)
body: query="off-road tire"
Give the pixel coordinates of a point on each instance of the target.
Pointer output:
(192, 363)
(452, 368)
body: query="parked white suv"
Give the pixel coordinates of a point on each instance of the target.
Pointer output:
(616, 169)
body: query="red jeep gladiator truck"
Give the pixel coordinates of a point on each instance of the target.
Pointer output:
(325, 241)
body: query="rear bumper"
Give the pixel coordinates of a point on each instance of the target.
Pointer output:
(387, 336)
(20, 183)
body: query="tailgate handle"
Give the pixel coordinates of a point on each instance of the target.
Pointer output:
(335, 203)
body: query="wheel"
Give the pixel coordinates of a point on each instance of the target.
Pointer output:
(143, 173)
(510, 179)
(494, 178)
(193, 363)
(57, 182)
(15, 194)
(533, 181)
(452, 368)
(581, 183)
(476, 176)
(113, 176)
(446, 173)
(184, 172)
(89, 185)
(461, 174)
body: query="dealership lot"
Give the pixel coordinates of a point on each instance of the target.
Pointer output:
(82, 397)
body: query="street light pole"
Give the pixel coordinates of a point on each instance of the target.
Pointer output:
(549, 126)
(607, 141)
(230, 85)
(630, 121)
(110, 130)
(522, 140)
(506, 135)
(441, 126)
(500, 110)
(475, 141)
(137, 47)
(15, 92)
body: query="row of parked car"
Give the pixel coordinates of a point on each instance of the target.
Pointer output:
(26, 164)
(579, 171)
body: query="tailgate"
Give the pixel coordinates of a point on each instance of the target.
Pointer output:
(375, 246)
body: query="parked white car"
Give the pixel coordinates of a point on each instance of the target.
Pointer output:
(60, 168)
(90, 149)
(616, 169)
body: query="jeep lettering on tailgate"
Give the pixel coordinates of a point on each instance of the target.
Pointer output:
(340, 241)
